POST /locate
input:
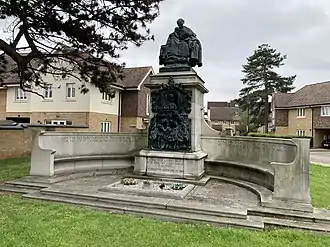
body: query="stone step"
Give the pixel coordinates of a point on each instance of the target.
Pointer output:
(25, 185)
(253, 222)
(13, 189)
(309, 226)
(155, 203)
(316, 217)
(281, 214)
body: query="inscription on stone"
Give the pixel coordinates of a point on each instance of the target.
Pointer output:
(117, 139)
(255, 145)
(165, 165)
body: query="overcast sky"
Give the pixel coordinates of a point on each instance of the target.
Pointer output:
(231, 29)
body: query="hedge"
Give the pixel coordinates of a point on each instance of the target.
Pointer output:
(277, 136)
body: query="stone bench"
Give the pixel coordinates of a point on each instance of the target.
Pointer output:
(281, 165)
(93, 163)
(56, 153)
(238, 170)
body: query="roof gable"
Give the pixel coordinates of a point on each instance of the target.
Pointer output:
(309, 95)
(134, 77)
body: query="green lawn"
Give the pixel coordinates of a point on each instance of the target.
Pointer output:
(320, 186)
(33, 223)
(13, 168)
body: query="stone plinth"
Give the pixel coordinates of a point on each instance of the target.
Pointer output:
(170, 164)
(191, 81)
(174, 164)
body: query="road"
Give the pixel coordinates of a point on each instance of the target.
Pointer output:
(321, 157)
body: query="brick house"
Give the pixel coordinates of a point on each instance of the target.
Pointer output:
(63, 104)
(303, 113)
(223, 115)
(135, 98)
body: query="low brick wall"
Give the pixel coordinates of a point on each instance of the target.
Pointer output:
(15, 142)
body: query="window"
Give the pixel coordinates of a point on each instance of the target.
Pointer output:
(326, 137)
(48, 91)
(106, 97)
(20, 94)
(301, 112)
(58, 122)
(70, 90)
(301, 133)
(325, 111)
(105, 127)
(148, 103)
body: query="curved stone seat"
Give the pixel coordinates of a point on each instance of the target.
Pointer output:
(242, 171)
(93, 163)
(56, 153)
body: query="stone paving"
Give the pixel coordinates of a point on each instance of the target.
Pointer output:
(320, 157)
(214, 192)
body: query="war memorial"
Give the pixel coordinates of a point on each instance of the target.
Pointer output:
(180, 169)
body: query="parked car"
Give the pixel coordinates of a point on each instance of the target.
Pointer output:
(326, 144)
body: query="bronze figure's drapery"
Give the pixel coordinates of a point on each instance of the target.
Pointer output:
(169, 128)
(182, 49)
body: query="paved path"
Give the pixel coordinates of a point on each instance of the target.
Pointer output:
(320, 157)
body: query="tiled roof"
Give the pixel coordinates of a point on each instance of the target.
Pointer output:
(224, 113)
(10, 76)
(132, 77)
(217, 104)
(309, 95)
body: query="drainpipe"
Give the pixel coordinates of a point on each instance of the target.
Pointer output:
(119, 111)
(312, 127)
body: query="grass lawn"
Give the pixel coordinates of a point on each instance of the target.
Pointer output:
(320, 186)
(33, 223)
(13, 168)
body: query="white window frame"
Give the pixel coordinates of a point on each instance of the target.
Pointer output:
(325, 111)
(70, 90)
(106, 97)
(48, 93)
(301, 132)
(20, 94)
(147, 104)
(105, 127)
(58, 122)
(301, 112)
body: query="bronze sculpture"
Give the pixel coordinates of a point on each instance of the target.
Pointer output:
(182, 50)
(170, 128)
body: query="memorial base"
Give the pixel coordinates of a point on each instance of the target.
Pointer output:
(170, 164)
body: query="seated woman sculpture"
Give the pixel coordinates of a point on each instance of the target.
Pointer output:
(182, 48)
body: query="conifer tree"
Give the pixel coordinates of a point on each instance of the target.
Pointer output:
(260, 82)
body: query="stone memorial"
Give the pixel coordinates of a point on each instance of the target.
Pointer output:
(177, 99)
(250, 182)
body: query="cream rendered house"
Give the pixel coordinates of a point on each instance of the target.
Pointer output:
(64, 104)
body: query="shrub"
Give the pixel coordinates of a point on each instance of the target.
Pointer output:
(277, 136)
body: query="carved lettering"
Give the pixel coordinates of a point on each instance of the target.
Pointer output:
(100, 138)
(165, 165)
(253, 145)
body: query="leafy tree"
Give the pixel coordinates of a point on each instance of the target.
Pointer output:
(261, 81)
(76, 32)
